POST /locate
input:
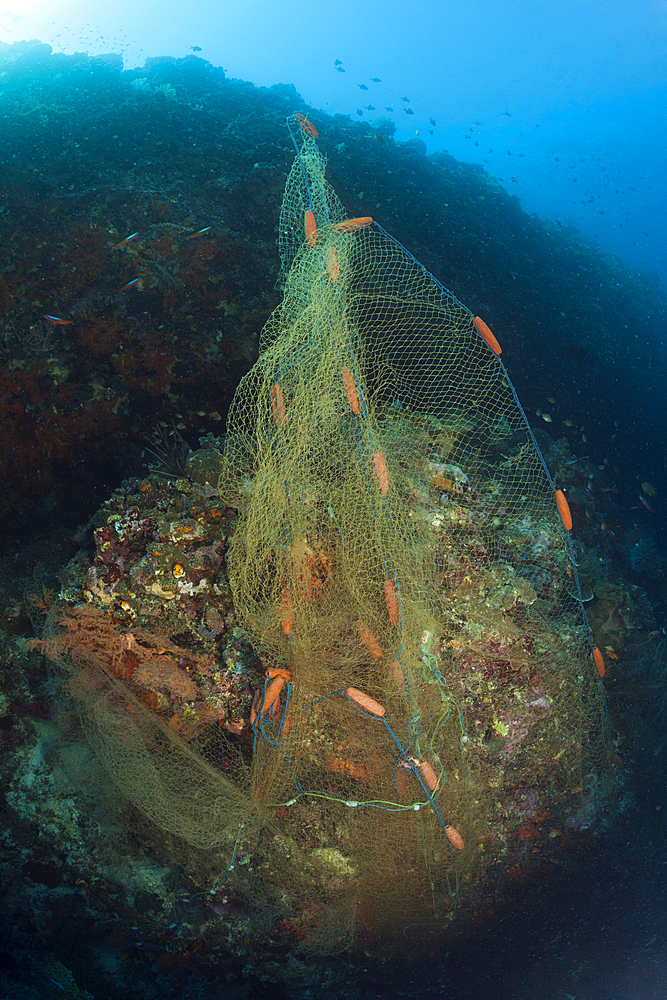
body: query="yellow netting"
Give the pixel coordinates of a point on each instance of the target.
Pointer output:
(403, 569)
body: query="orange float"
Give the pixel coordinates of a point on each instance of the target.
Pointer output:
(454, 838)
(365, 702)
(332, 264)
(278, 404)
(397, 674)
(369, 641)
(306, 126)
(487, 336)
(381, 471)
(310, 227)
(391, 600)
(564, 510)
(349, 225)
(599, 662)
(272, 694)
(429, 776)
(351, 391)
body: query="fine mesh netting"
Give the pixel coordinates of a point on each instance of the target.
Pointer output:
(402, 567)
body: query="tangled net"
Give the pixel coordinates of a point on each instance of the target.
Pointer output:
(400, 561)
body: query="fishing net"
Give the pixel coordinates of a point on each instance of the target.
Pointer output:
(402, 565)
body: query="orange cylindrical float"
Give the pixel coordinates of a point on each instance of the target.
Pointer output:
(278, 404)
(332, 264)
(391, 600)
(351, 391)
(487, 336)
(271, 694)
(381, 471)
(349, 225)
(397, 674)
(428, 775)
(365, 702)
(310, 228)
(454, 837)
(306, 126)
(564, 510)
(599, 662)
(369, 640)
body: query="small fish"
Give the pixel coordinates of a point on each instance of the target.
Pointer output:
(388, 109)
(57, 320)
(359, 112)
(550, 399)
(649, 489)
(126, 240)
(546, 417)
(195, 48)
(370, 107)
(406, 99)
(129, 284)
(568, 423)
(642, 500)
(375, 79)
(338, 62)
(362, 86)
(432, 122)
(408, 111)
(200, 233)
(340, 69)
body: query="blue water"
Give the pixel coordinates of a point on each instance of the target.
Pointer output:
(563, 102)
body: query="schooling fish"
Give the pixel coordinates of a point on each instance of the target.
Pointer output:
(200, 233)
(57, 320)
(642, 500)
(126, 240)
(375, 79)
(129, 284)
(362, 86)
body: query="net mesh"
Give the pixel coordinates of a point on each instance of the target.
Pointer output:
(403, 569)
